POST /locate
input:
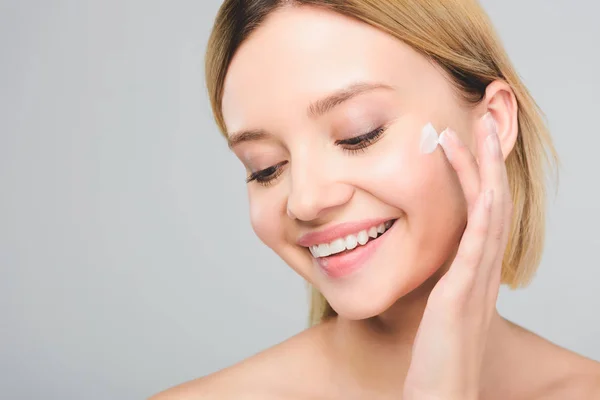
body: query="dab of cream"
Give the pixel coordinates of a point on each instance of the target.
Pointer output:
(429, 139)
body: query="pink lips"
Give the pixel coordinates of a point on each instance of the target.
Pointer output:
(338, 231)
(343, 264)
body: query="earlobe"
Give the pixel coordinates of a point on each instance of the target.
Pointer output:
(501, 103)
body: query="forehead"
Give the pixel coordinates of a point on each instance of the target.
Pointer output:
(299, 54)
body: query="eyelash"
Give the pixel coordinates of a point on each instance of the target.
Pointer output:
(361, 142)
(268, 176)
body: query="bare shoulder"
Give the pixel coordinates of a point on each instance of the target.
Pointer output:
(556, 372)
(583, 384)
(580, 381)
(275, 373)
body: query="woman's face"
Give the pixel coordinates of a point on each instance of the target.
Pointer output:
(316, 181)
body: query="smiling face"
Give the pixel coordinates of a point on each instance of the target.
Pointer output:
(322, 170)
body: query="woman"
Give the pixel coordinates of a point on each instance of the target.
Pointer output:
(334, 108)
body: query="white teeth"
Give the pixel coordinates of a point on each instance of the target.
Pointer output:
(337, 246)
(323, 250)
(373, 232)
(350, 242)
(362, 237)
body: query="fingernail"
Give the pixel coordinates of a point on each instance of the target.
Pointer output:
(493, 142)
(494, 145)
(491, 124)
(450, 134)
(447, 138)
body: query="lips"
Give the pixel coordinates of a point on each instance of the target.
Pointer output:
(338, 231)
(350, 242)
(369, 241)
(345, 263)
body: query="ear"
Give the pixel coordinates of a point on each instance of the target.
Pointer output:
(501, 103)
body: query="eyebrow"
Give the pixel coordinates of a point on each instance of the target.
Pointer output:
(314, 110)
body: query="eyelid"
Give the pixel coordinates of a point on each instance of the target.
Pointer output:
(365, 133)
(355, 138)
(363, 141)
(255, 176)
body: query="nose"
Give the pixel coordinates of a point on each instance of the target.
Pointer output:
(314, 191)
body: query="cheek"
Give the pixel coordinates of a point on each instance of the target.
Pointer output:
(435, 204)
(266, 215)
(427, 191)
(400, 175)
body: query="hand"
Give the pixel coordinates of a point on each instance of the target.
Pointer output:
(451, 340)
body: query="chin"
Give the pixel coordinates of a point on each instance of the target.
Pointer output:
(374, 299)
(358, 308)
(377, 288)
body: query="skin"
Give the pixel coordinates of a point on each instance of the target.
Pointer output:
(401, 326)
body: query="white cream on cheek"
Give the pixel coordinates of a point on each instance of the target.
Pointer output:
(429, 139)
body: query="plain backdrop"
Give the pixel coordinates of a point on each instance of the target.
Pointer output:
(127, 259)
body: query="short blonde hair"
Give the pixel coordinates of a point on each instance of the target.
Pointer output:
(459, 37)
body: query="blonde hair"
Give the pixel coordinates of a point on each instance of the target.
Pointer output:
(459, 37)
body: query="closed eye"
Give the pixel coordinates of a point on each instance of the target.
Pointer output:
(360, 143)
(267, 176)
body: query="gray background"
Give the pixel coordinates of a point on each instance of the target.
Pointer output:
(127, 259)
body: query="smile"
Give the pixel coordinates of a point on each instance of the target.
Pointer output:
(350, 242)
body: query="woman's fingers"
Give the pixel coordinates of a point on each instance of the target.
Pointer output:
(463, 162)
(493, 176)
(457, 285)
(452, 335)
(488, 231)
